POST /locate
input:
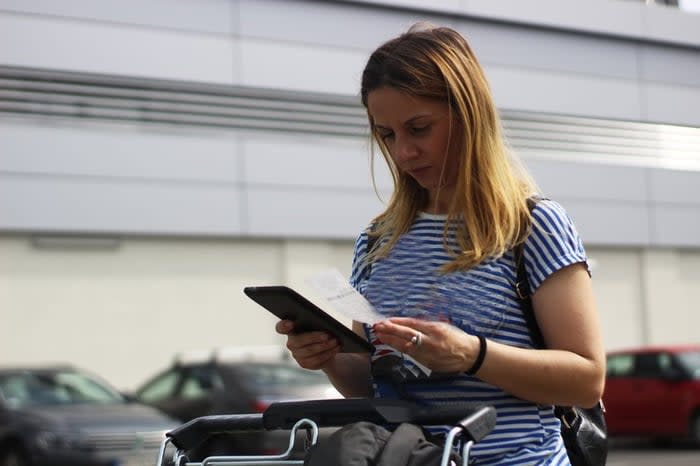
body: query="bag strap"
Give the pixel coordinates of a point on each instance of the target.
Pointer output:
(522, 287)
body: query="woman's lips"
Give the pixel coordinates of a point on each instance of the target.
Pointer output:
(419, 172)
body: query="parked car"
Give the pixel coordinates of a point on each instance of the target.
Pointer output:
(654, 392)
(187, 390)
(66, 416)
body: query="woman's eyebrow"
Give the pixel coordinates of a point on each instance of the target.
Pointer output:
(407, 122)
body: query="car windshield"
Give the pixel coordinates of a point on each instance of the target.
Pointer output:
(55, 388)
(284, 376)
(691, 362)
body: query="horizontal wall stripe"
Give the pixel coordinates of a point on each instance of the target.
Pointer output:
(50, 93)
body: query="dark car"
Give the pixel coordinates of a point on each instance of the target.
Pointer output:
(216, 386)
(65, 416)
(654, 392)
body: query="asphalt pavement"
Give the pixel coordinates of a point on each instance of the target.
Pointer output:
(644, 453)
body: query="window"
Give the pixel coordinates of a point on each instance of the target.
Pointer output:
(620, 365)
(200, 381)
(160, 388)
(648, 365)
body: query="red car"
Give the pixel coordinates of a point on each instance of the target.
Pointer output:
(654, 392)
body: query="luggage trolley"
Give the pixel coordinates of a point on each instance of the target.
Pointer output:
(470, 426)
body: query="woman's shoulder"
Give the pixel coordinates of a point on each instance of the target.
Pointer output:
(550, 217)
(547, 206)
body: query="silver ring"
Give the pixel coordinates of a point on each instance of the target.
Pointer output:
(417, 339)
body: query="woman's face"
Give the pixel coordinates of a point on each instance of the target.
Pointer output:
(416, 131)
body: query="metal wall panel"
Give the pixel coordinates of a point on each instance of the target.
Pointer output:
(93, 205)
(298, 64)
(565, 93)
(215, 16)
(65, 44)
(589, 181)
(675, 186)
(309, 213)
(669, 65)
(362, 28)
(311, 162)
(609, 222)
(118, 152)
(281, 65)
(676, 225)
(559, 51)
(672, 103)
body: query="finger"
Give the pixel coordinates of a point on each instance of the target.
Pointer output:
(317, 361)
(390, 329)
(299, 340)
(416, 324)
(284, 327)
(314, 355)
(396, 336)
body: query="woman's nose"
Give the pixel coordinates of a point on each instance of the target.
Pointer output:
(404, 149)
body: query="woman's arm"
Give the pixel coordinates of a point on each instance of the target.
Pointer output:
(570, 372)
(348, 372)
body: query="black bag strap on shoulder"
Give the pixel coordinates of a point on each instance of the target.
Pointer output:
(584, 430)
(522, 287)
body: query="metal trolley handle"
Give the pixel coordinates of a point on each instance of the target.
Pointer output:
(196, 431)
(325, 413)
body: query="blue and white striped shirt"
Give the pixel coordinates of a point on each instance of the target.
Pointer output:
(480, 301)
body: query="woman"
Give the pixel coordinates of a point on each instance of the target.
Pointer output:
(439, 264)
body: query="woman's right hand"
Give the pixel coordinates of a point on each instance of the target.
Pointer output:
(311, 350)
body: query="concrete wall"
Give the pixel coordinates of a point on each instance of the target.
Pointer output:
(126, 309)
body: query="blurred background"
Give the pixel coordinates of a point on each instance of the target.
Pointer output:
(158, 156)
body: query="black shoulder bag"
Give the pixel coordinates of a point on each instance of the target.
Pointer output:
(584, 430)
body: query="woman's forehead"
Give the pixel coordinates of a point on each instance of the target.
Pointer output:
(390, 106)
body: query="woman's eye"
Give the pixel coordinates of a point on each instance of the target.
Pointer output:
(419, 129)
(386, 136)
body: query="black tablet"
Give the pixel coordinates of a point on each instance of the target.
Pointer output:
(287, 304)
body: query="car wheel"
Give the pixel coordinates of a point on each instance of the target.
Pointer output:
(13, 456)
(694, 429)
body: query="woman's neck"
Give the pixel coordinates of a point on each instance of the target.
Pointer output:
(439, 202)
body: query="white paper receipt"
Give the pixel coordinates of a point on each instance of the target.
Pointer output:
(334, 288)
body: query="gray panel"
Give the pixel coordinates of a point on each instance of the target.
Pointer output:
(570, 94)
(80, 205)
(676, 225)
(672, 104)
(340, 164)
(201, 15)
(309, 213)
(670, 65)
(671, 25)
(675, 186)
(327, 23)
(108, 48)
(628, 19)
(618, 18)
(303, 68)
(609, 223)
(141, 152)
(588, 181)
(524, 47)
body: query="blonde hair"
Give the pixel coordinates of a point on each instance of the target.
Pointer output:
(490, 202)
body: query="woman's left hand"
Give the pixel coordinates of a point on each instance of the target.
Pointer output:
(442, 347)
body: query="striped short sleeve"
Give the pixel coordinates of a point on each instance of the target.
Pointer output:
(553, 243)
